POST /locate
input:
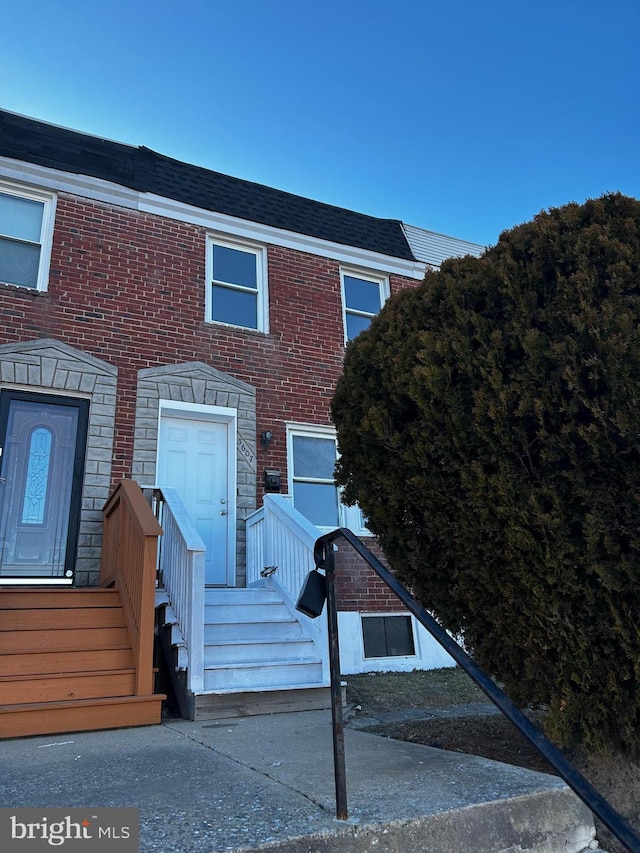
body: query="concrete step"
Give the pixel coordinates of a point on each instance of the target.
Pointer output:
(283, 629)
(259, 651)
(262, 676)
(235, 595)
(239, 611)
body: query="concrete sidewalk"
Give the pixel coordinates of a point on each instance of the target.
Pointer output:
(267, 782)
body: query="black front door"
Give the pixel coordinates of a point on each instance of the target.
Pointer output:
(43, 441)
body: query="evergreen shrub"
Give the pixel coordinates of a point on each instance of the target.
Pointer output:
(489, 427)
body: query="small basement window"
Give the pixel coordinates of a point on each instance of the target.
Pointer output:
(387, 636)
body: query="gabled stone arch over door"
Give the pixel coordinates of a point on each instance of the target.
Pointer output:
(198, 384)
(49, 366)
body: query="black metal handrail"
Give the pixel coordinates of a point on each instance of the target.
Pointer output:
(324, 559)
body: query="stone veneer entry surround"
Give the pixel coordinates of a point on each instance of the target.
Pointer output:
(50, 366)
(196, 382)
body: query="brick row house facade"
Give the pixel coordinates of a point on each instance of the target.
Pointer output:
(182, 329)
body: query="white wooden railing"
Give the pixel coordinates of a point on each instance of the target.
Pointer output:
(281, 538)
(181, 565)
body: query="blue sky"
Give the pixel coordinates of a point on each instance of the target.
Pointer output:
(465, 117)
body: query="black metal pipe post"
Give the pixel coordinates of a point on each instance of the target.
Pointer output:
(337, 713)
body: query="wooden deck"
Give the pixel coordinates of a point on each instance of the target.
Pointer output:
(82, 659)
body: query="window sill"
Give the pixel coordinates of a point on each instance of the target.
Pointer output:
(22, 288)
(220, 325)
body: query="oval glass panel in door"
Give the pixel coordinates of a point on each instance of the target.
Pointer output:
(37, 479)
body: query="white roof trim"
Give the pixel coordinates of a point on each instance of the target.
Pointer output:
(105, 191)
(54, 179)
(222, 223)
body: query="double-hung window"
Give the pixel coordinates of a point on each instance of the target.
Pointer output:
(237, 282)
(312, 458)
(363, 296)
(26, 224)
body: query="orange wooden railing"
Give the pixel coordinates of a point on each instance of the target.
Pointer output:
(129, 547)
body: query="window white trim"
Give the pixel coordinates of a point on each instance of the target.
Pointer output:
(365, 275)
(262, 292)
(348, 516)
(48, 200)
(384, 613)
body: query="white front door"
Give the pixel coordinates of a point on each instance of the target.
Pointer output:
(193, 459)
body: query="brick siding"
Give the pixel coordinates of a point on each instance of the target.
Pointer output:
(358, 587)
(129, 288)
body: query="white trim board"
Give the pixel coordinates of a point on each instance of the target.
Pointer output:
(105, 191)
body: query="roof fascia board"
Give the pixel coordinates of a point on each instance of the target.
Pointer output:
(58, 181)
(106, 191)
(257, 232)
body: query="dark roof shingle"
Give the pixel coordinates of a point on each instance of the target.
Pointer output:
(144, 170)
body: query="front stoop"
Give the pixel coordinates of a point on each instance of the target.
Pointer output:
(258, 658)
(67, 664)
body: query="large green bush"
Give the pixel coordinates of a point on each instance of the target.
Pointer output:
(489, 426)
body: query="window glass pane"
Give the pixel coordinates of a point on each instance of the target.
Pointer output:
(387, 636)
(35, 490)
(19, 263)
(356, 324)
(314, 457)
(235, 266)
(318, 502)
(20, 217)
(399, 635)
(353, 518)
(361, 295)
(234, 306)
(373, 637)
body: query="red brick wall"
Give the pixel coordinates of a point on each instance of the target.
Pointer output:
(129, 288)
(358, 587)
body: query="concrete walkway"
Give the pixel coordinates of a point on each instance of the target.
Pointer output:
(267, 783)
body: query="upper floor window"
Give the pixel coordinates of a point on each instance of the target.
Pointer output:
(362, 296)
(236, 293)
(26, 223)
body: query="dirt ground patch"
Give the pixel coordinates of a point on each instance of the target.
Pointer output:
(377, 695)
(489, 736)
(389, 691)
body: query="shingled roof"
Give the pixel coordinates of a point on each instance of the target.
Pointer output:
(144, 170)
